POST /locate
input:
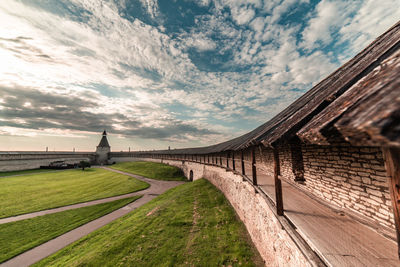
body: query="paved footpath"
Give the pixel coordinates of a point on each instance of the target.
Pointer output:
(46, 249)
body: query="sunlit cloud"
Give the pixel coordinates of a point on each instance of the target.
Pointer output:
(180, 73)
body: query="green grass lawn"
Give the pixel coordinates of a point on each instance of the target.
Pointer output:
(190, 225)
(17, 237)
(29, 193)
(152, 170)
(2, 174)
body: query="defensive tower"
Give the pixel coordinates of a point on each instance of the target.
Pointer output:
(103, 150)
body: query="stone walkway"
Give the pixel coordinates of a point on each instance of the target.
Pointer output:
(46, 249)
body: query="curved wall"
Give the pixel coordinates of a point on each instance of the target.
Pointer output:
(271, 234)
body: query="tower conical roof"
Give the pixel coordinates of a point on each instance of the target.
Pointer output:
(104, 141)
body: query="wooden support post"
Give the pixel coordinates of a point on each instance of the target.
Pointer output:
(233, 161)
(208, 158)
(227, 160)
(278, 184)
(392, 163)
(242, 162)
(253, 165)
(220, 160)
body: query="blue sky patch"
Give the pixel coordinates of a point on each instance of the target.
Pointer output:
(167, 73)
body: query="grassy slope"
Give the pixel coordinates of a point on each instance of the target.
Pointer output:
(190, 225)
(17, 237)
(2, 174)
(152, 170)
(28, 193)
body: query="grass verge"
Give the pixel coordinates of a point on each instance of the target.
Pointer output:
(33, 171)
(190, 225)
(152, 170)
(29, 193)
(20, 236)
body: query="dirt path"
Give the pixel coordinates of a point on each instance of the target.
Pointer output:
(156, 187)
(36, 254)
(192, 234)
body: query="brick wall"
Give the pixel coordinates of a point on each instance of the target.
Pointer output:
(352, 178)
(285, 161)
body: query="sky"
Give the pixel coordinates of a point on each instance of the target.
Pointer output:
(178, 73)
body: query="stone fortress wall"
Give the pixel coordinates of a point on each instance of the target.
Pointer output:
(349, 179)
(14, 161)
(270, 233)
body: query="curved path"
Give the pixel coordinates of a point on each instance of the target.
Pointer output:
(36, 254)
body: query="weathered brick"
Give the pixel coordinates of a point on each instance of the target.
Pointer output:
(367, 156)
(341, 175)
(366, 180)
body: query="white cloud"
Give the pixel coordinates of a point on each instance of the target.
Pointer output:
(200, 42)
(258, 24)
(356, 22)
(330, 15)
(152, 7)
(371, 19)
(138, 71)
(279, 9)
(243, 15)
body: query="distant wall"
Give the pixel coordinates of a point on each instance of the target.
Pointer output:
(14, 161)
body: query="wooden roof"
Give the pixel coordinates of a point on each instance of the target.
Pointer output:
(327, 91)
(356, 114)
(366, 114)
